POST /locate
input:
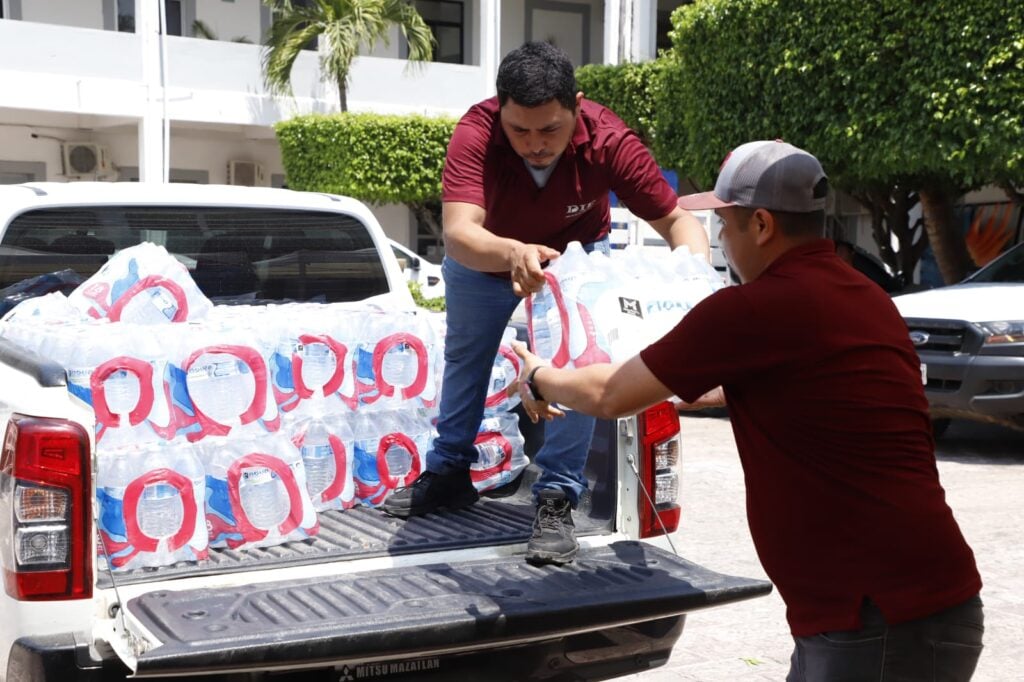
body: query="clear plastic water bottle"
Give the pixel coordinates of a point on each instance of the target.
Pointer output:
(318, 458)
(221, 386)
(397, 456)
(122, 391)
(161, 509)
(399, 366)
(318, 364)
(264, 497)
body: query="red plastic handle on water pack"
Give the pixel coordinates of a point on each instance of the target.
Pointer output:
(142, 370)
(337, 486)
(499, 396)
(332, 384)
(505, 464)
(261, 460)
(133, 493)
(592, 354)
(561, 357)
(382, 348)
(384, 471)
(254, 361)
(151, 282)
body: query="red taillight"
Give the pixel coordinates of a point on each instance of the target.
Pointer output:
(45, 510)
(659, 463)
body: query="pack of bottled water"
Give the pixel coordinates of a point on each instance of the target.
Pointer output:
(327, 446)
(504, 372)
(389, 452)
(150, 506)
(595, 308)
(142, 284)
(500, 452)
(256, 492)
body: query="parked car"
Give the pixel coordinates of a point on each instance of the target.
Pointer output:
(970, 338)
(418, 269)
(443, 596)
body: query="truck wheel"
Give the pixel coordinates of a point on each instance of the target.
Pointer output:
(939, 427)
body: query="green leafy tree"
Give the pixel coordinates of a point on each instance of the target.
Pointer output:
(344, 26)
(903, 101)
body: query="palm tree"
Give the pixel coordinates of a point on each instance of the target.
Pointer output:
(344, 25)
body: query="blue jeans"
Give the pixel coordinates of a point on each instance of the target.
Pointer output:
(478, 310)
(943, 647)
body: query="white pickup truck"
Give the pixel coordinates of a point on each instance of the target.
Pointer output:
(445, 596)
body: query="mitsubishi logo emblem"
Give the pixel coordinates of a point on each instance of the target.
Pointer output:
(919, 338)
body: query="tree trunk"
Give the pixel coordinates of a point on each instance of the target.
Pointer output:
(428, 213)
(890, 220)
(946, 240)
(342, 95)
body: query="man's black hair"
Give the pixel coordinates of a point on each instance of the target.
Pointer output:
(535, 74)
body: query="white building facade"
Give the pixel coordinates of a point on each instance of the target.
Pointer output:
(103, 89)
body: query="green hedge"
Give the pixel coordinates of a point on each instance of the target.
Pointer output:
(627, 89)
(375, 158)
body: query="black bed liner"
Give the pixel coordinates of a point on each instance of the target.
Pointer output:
(363, 532)
(401, 612)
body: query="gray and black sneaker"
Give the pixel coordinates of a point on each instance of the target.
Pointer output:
(432, 492)
(554, 536)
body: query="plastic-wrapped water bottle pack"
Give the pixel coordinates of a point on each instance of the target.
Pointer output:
(595, 308)
(234, 425)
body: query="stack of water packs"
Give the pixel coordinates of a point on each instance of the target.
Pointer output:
(232, 426)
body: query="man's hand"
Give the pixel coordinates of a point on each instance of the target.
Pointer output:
(525, 265)
(535, 409)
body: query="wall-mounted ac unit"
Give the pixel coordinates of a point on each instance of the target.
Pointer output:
(86, 158)
(247, 173)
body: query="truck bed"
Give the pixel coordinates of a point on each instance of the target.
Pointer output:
(363, 532)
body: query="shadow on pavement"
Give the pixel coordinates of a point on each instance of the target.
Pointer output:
(968, 441)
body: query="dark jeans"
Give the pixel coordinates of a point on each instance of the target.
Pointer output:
(943, 647)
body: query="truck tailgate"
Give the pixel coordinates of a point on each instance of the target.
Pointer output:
(402, 612)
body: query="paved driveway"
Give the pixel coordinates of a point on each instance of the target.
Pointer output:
(982, 470)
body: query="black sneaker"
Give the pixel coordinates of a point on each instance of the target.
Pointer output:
(554, 537)
(431, 492)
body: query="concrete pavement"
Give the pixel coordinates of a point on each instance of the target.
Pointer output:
(982, 470)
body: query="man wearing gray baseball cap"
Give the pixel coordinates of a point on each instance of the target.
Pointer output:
(824, 393)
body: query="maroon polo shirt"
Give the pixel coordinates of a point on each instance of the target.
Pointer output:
(831, 423)
(482, 168)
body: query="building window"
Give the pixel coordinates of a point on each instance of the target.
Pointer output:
(446, 19)
(172, 18)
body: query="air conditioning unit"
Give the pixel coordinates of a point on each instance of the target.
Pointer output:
(246, 173)
(86, 158)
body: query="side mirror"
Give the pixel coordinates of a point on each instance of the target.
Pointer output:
(414, 263)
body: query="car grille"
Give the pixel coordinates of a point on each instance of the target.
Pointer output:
(940, 336)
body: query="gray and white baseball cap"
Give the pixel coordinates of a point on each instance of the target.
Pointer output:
(769, 174)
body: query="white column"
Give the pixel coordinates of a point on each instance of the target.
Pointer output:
(612, 30)
(645, 22)
(152, 164)
(490, 43)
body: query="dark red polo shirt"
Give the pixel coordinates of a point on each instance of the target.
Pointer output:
(482, 168)
(824, 392)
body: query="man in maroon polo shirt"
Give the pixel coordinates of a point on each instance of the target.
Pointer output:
(526, 173)
(831, 423)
